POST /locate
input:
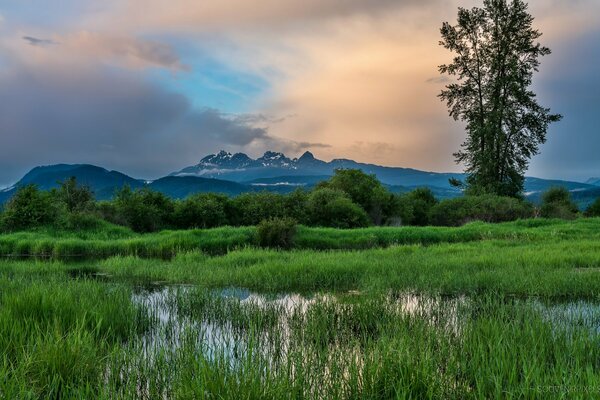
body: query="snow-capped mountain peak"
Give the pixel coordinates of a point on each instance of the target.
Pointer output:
(275, 159)
(216, 159)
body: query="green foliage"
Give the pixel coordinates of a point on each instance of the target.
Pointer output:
(82, 221)
(252, 208)
(71, 208)
(29, 208)
(333, 208)
(496, 53)
(144, 210)
(203, 210)
(295, 205)
(277, 233)
(364, 190)
(487, 208)
(557, 203)
(74, 197)
(594, 209)
(420, 202)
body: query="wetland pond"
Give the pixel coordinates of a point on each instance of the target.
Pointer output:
(334, 345)
(235, 326)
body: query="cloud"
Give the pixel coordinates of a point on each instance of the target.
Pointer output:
(113, 118)
(39, 42)
(59, 111)
(226, 128)
(245, 131)
(126, 50)
(439, 79)
(222, 15)
(570, 85)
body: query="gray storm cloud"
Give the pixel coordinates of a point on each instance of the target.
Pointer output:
(114, 119)
(39, 42)
(571, 85)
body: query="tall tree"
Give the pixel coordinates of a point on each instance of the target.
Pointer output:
(496, 53)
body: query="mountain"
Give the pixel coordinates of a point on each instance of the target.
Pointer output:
(276, 170)
(593, 181)
(534, 187)
(233, 174)
(102, 181)
(585, 198)
(180, 187)
(241, 168)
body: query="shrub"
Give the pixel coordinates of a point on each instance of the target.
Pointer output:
(29, 208)
(420, 201)
(108, 211)
(82, 221)
(363, 189)
(594, 209)
(333, 208)
(204, 210)
(73, 196)
(487, 208)
(295, 205)
(252, 208)
(144, 210)
(451, 212)
(557, 203)
(277, 233)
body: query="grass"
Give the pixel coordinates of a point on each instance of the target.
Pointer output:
(556, 268)
(347, 347)
(110, 240)
(482, 311)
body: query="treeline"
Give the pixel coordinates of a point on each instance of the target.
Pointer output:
(350, 199)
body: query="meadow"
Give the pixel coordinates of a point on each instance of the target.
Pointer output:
(481, 311)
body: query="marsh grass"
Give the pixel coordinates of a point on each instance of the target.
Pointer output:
(483, 311)
(77, 337)
(110, 240)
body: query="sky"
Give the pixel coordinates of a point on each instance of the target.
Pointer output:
(148, 87)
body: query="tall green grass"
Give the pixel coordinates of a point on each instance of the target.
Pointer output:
(117, 241)
(56, 334)
(418, 313)
(78, 338)
(554, 268)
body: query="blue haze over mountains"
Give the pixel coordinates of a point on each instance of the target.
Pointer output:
(233, 174)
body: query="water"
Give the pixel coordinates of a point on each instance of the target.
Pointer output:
(221, 321)
(325, 337)
(571, 315)
(232, 323)
(176, 318)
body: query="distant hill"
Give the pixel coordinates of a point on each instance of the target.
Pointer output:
(180, 187)
(593, 181)
(233, 174)
(102, 181)
(584, 198)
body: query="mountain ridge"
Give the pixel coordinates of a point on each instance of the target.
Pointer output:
(593, 181)
(236, 173)
(239, 167)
